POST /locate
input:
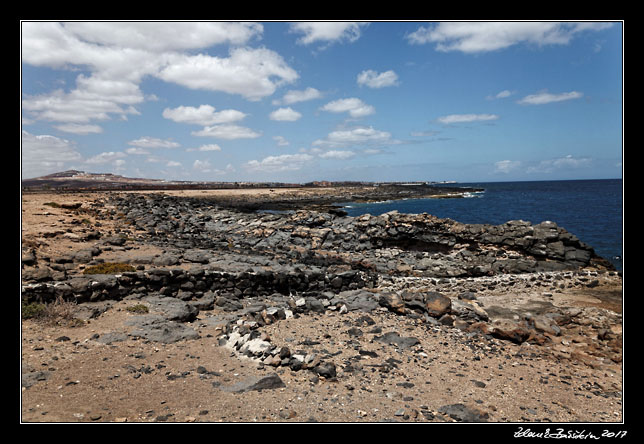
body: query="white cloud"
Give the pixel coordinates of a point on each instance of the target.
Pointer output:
(165, 36)
(566, 162)
(119, 55)
(203, 148)
(501, 95)
(285, 115)
(227, 131)
(204, 115)
(474, 37)
(505, 166)
(295, 96)
(337, 154)
(365, 136)
(137, 151)
(545, 97)
(173, 163)
(80, 105)
(77, 128)
(45, 154)
(466, 118)
(327, 32)
(372, 79)
(202, 165)
(251, 73)
(105, 157)
(281, 141)
(152, 142)
(355, 107)
(284, 162)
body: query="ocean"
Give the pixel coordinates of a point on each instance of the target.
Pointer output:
(590, 209)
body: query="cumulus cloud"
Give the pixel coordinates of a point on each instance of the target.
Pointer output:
(204, 115)
(165, 36)
(466, 118)
(337, 154)
(354, 106)
(77, 128)
(283, 162)
(137, 151)
(285, 115)
(546, 97)
(106, 157)
(152, 142)
(45, 154)
(251, 73)
(327, 32)
(202, 165)
(118, 55)
(295, 96)
(359, 136)
(476, 37)
(372, 79)
(227, 131)
(281, 140)
(203, 148)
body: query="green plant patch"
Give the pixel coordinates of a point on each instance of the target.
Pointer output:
(33, 310)
(138, 308)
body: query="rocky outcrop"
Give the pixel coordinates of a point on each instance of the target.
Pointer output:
(413, 244)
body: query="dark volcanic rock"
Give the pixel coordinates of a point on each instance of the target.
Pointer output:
(173, 309)
(270, 382)
(462, 413)
(396, 339)
(157, 328)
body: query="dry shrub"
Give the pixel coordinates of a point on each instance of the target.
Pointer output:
(58, 312)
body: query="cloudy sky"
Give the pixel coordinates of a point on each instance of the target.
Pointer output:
(295, 102)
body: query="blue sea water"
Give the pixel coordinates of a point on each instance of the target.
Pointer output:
(590, 209)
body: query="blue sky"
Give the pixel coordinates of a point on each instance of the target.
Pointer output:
(297, 102)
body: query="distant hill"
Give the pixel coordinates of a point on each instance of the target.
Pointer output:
(72, 180)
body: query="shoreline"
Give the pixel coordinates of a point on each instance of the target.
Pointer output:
(319, 305)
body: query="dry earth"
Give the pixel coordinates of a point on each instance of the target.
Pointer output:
(447, 376)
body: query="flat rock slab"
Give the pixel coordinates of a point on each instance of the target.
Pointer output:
(157, 328)
(269, 382)
(396, 339)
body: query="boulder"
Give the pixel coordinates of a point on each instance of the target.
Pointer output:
(437, 304)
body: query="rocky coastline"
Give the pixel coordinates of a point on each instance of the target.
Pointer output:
(257, 285)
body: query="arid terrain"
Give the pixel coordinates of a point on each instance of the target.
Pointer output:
(542, 346)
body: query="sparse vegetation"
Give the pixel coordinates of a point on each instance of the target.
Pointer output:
(33, 310)
(58, 312)
(138, 308)
(109, 268)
